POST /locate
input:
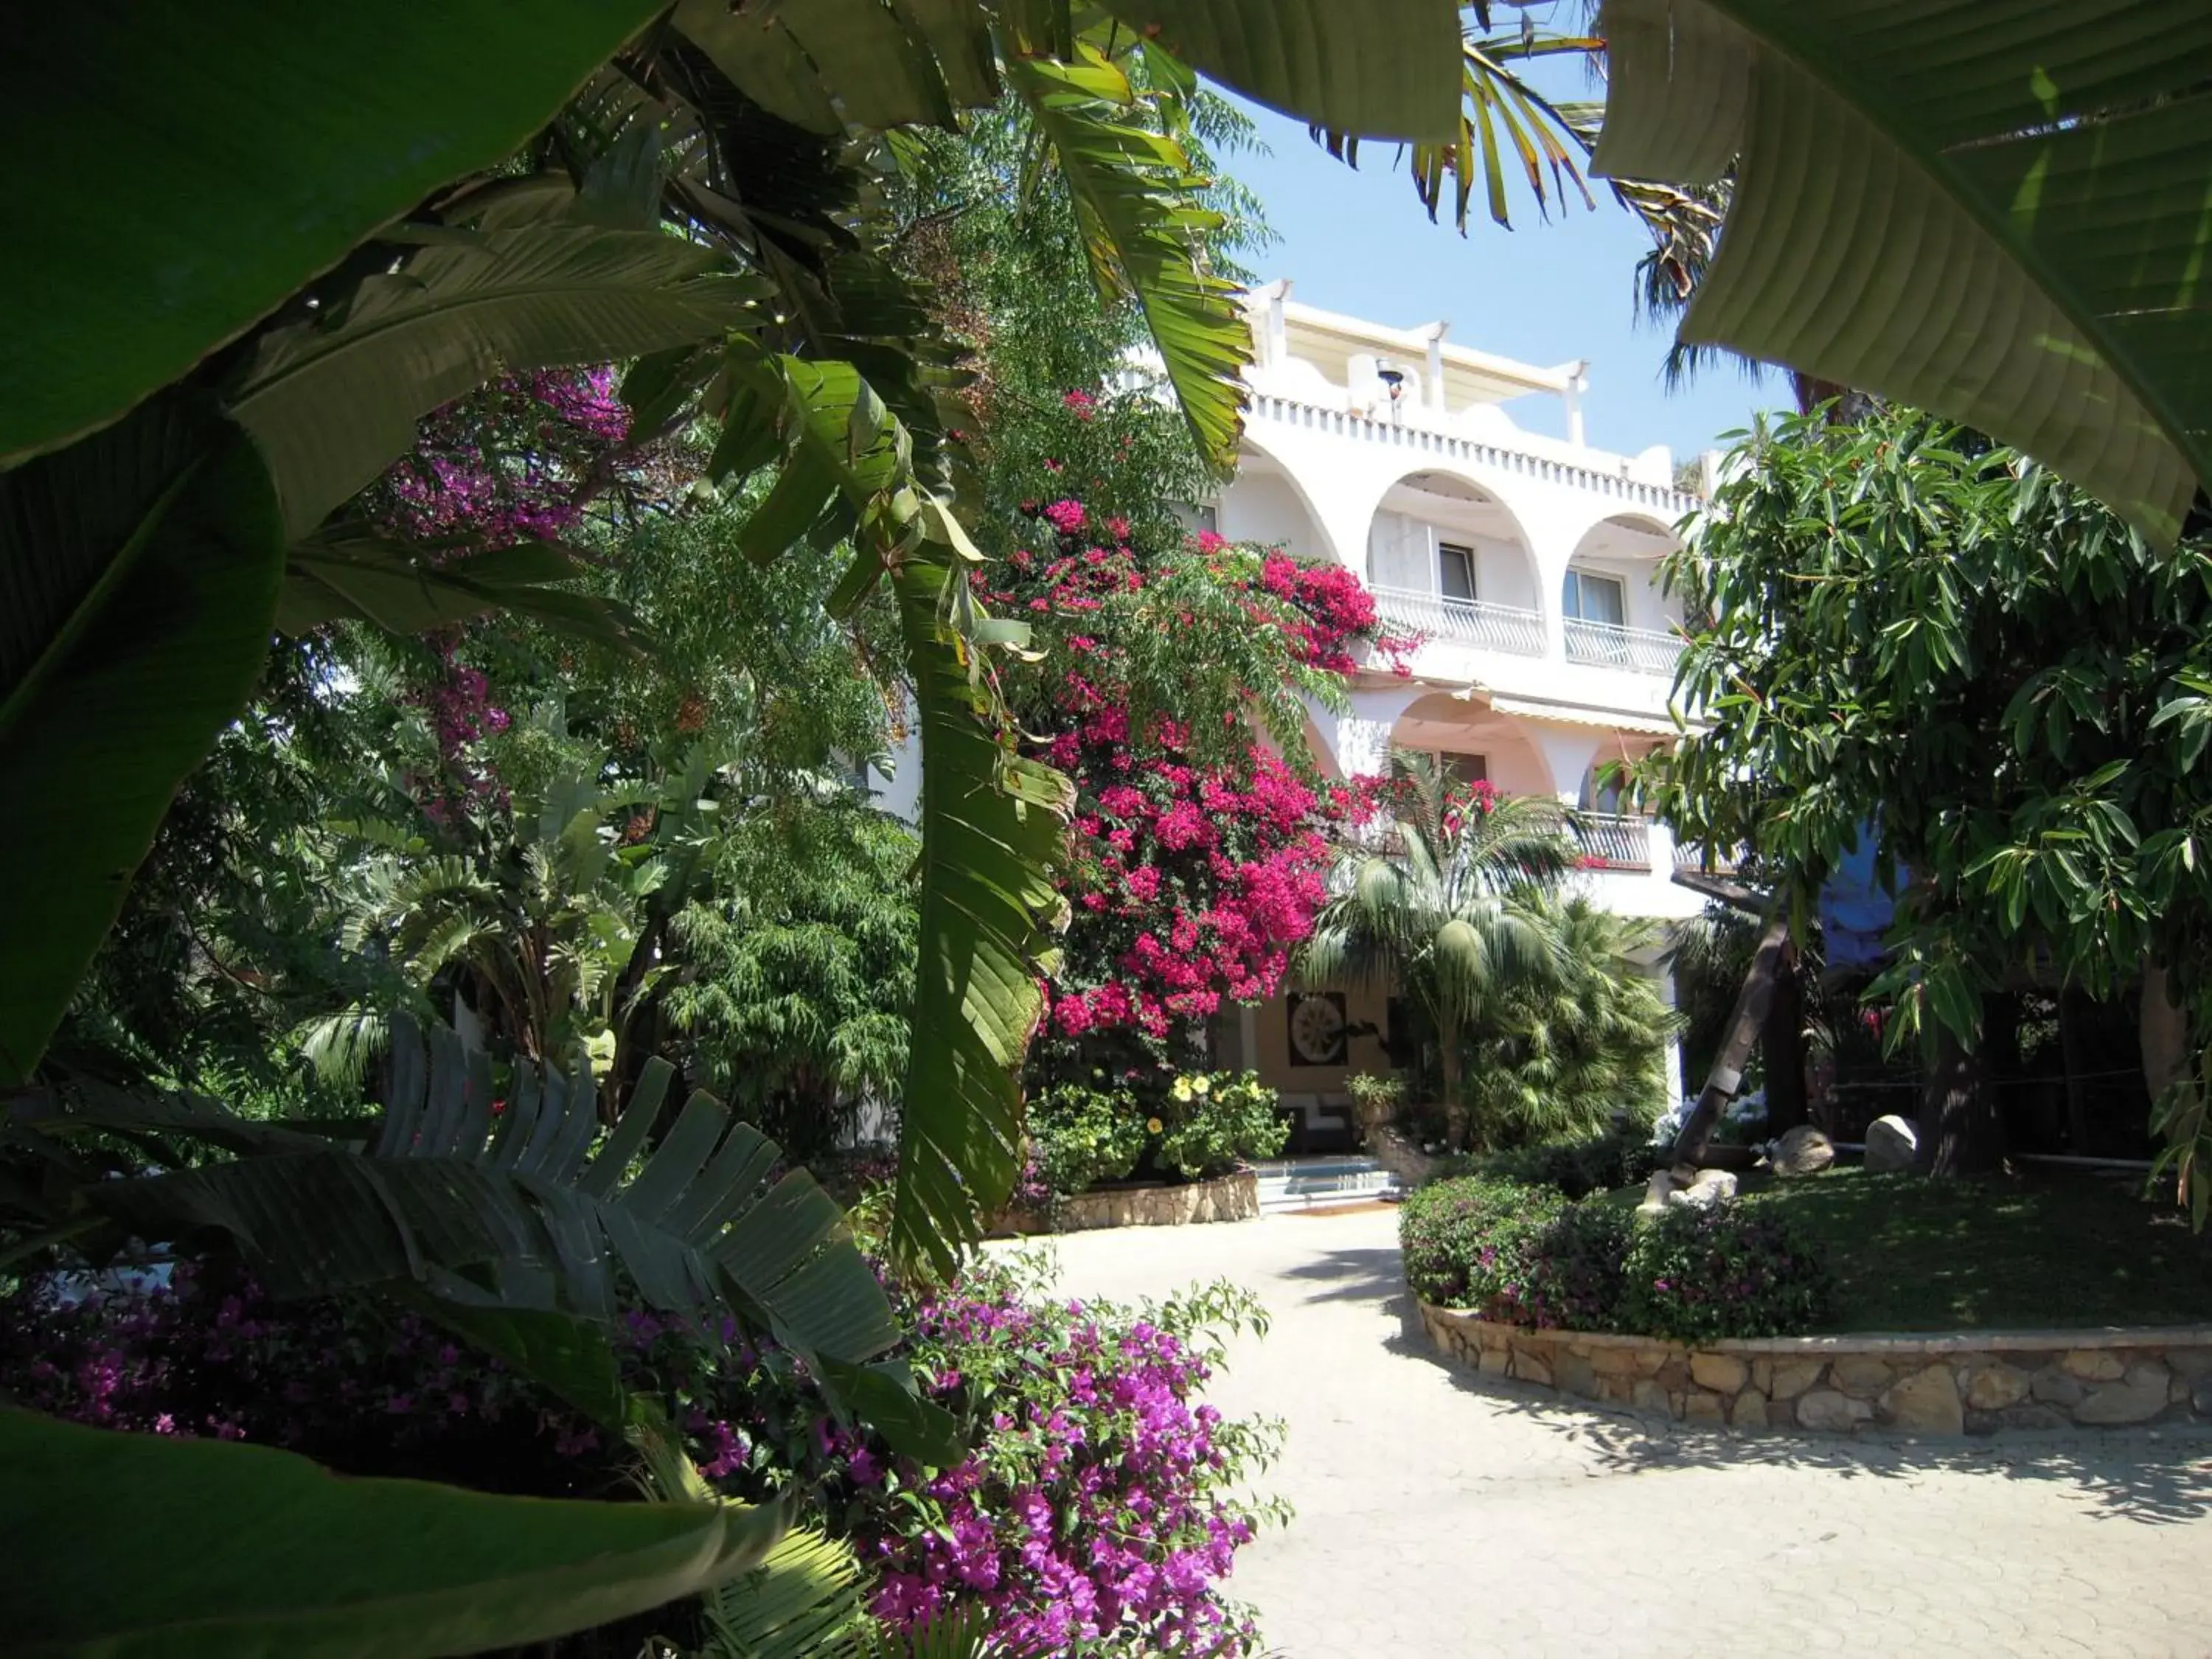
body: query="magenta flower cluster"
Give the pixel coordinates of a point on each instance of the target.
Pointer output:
(1093, 1506)
(1096, 1516)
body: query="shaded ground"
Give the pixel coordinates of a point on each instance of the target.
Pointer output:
(2033, 1250)
(1440, 1518)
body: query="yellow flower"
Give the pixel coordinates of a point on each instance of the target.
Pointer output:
(1153, 1124)
(1201, 1083)
(1181, 1090)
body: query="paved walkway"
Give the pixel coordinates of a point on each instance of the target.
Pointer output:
(1436, 1517)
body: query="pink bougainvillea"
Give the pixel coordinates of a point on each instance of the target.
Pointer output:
(1192, 881)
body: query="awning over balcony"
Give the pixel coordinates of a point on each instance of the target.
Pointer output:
(1536, 709)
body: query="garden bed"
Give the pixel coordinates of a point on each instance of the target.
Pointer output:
(1232, 1197)
(1958, 1382)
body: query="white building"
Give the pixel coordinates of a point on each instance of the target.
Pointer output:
(1527, 563)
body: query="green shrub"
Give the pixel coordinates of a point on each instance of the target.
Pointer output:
(1578, 1272)
(1212, 1122)
(1702, 1275)
(1593, 1163)
(1523, 1256)
(1081, 1136)
(1471, 1242)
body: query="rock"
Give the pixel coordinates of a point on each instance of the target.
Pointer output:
(1572, 1372)
(2094, 1365)
(1862, 1376)
(1802, 1151)
(2200, 1401)
(1529, 1368)
(2148, 1374)
(1830, 1413)
(2191, 1363)
(1926, 1402)
(1615, 1362)
(2034, 1417)
(1648, 1396)
(2057, 1388)
(1891, 1142)
(1710, 1187)
(1793, 1376)
(1705, 1409)
(1662, 1187)
(1722, 1372)
(1994, 1386)
(1494, 1361)
(2121, 1403)
(1749, 1411)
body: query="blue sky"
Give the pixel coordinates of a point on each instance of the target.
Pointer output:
(1543, 292)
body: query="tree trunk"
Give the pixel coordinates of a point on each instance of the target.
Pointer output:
(1782, 1040)
(1455, 1124)
(1959, 1134)
(1749, 1014)
(2163, 1031)
(2070, 1059)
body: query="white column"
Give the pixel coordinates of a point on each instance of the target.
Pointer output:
(1568, 750)
(1436, 332)
(1274, 345)
(1571, 396)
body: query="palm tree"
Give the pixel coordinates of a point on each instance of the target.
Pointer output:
(1560, 1056)
(1455, 916)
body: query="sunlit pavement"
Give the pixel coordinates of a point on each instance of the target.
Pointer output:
(1436, 1517)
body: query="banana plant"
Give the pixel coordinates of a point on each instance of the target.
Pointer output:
(1990, 208)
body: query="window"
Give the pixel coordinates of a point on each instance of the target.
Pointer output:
(1591, 598)
(1456, 572)
(1203, 516)
(1463, 768)
(1601, 794)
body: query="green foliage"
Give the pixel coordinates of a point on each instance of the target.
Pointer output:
(138, 573)
(1081, 1137)
(1201, 1124)
(1214, 1122)
(1579, 1268)
(1561, 1057)
(1525, 1255)
(308, 1565)
(2011, 180)
(1698, 1274)
(798, 971)
(1471, 1241)
(355, 117)
(1623, 1156)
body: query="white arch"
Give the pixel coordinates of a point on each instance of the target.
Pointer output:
(1478, 493)
(1293, 476)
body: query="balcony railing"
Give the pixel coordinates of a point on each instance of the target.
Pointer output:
(1689, 856)
(1465, 621)
(1616, 841)
(1640, 650)
(1344, 422)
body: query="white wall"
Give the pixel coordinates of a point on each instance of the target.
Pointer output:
(1262, 508)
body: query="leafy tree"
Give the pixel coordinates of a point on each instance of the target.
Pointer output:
(798, 969)
(1453, 916)
(1914, 636)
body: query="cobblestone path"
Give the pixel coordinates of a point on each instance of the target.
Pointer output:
(1440, 1518)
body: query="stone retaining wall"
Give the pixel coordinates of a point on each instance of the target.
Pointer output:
(1967, 1383)
(1234, 1197)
